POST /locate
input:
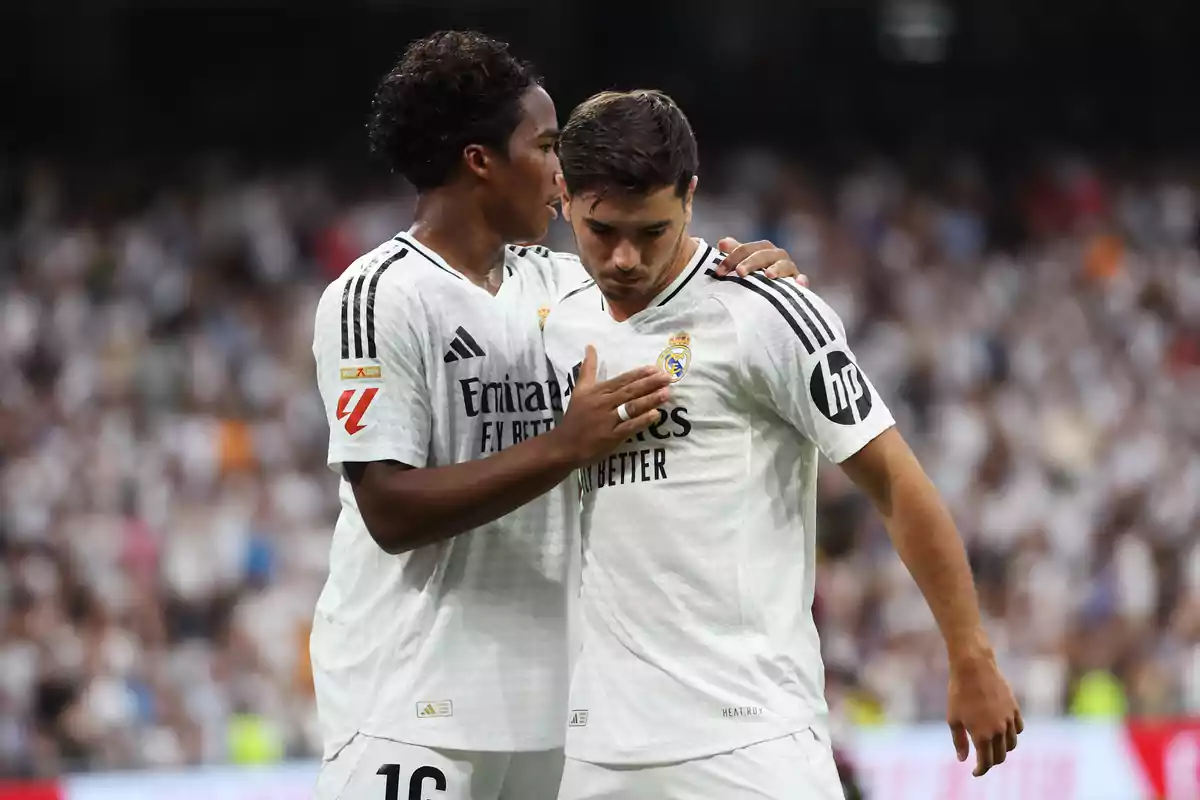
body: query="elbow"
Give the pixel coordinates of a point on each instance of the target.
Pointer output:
(397, 511)
(397, 536)
(394, 538)
(393, 546)
(388, 511)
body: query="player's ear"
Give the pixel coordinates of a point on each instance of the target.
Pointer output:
(565, 198)
(477, 159)
(687, 199)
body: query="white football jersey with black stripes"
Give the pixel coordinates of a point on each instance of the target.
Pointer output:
(699, 534)
(461, 644)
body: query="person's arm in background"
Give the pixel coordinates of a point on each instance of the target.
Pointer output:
(798, 363)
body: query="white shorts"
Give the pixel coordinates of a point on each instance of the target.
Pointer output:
(796, 767)
(380, 769)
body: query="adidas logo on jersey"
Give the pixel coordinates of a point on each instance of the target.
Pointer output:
(462, 346)
(579, 718)
(434, 708)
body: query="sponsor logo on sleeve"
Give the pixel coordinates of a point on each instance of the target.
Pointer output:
(362, 373)
(839, 390)
(351, 418)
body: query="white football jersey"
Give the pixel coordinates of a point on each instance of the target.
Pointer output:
(699, 534)
(461, 644)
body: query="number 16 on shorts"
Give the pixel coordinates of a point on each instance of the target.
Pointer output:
(416, 783)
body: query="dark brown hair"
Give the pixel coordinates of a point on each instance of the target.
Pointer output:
(630, 142)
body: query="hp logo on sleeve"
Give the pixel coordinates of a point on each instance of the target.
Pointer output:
(838, 389)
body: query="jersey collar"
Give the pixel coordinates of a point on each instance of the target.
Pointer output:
(409, 240)
(687, 277)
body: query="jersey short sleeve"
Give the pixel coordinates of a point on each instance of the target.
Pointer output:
(370, 356)
(570, 272)
(794, 355)
(560, 272)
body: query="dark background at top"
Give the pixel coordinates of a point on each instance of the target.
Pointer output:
(280, 82)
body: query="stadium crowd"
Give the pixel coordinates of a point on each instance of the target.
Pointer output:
(165, 510)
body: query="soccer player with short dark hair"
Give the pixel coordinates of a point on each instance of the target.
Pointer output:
(700, 672)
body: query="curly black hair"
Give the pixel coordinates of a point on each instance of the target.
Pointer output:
(449, 90)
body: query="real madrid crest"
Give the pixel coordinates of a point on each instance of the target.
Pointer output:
(543, 312)
(676, 359)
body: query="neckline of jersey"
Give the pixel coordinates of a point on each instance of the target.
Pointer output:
(406, 237)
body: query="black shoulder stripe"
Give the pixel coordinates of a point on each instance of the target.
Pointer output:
(699, 266)
(425, 256)
(358, 285)
(791, 288)
(346, 318)
(354, 320)
(521, 253)
(371, 299)
(574, 292)
(772, 299)
(775, 287)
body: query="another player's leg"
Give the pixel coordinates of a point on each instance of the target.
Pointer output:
(380, 769)
(533, 776)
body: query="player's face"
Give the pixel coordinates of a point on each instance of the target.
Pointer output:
(524, 191)
(630, 243)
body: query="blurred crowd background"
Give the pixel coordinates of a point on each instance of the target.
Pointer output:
(1028, 304)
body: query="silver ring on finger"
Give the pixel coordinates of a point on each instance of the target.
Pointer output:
(623, 413)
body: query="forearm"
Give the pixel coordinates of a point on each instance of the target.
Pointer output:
(928, 543)
(924, 535)
(405, 508)
(411, 508)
